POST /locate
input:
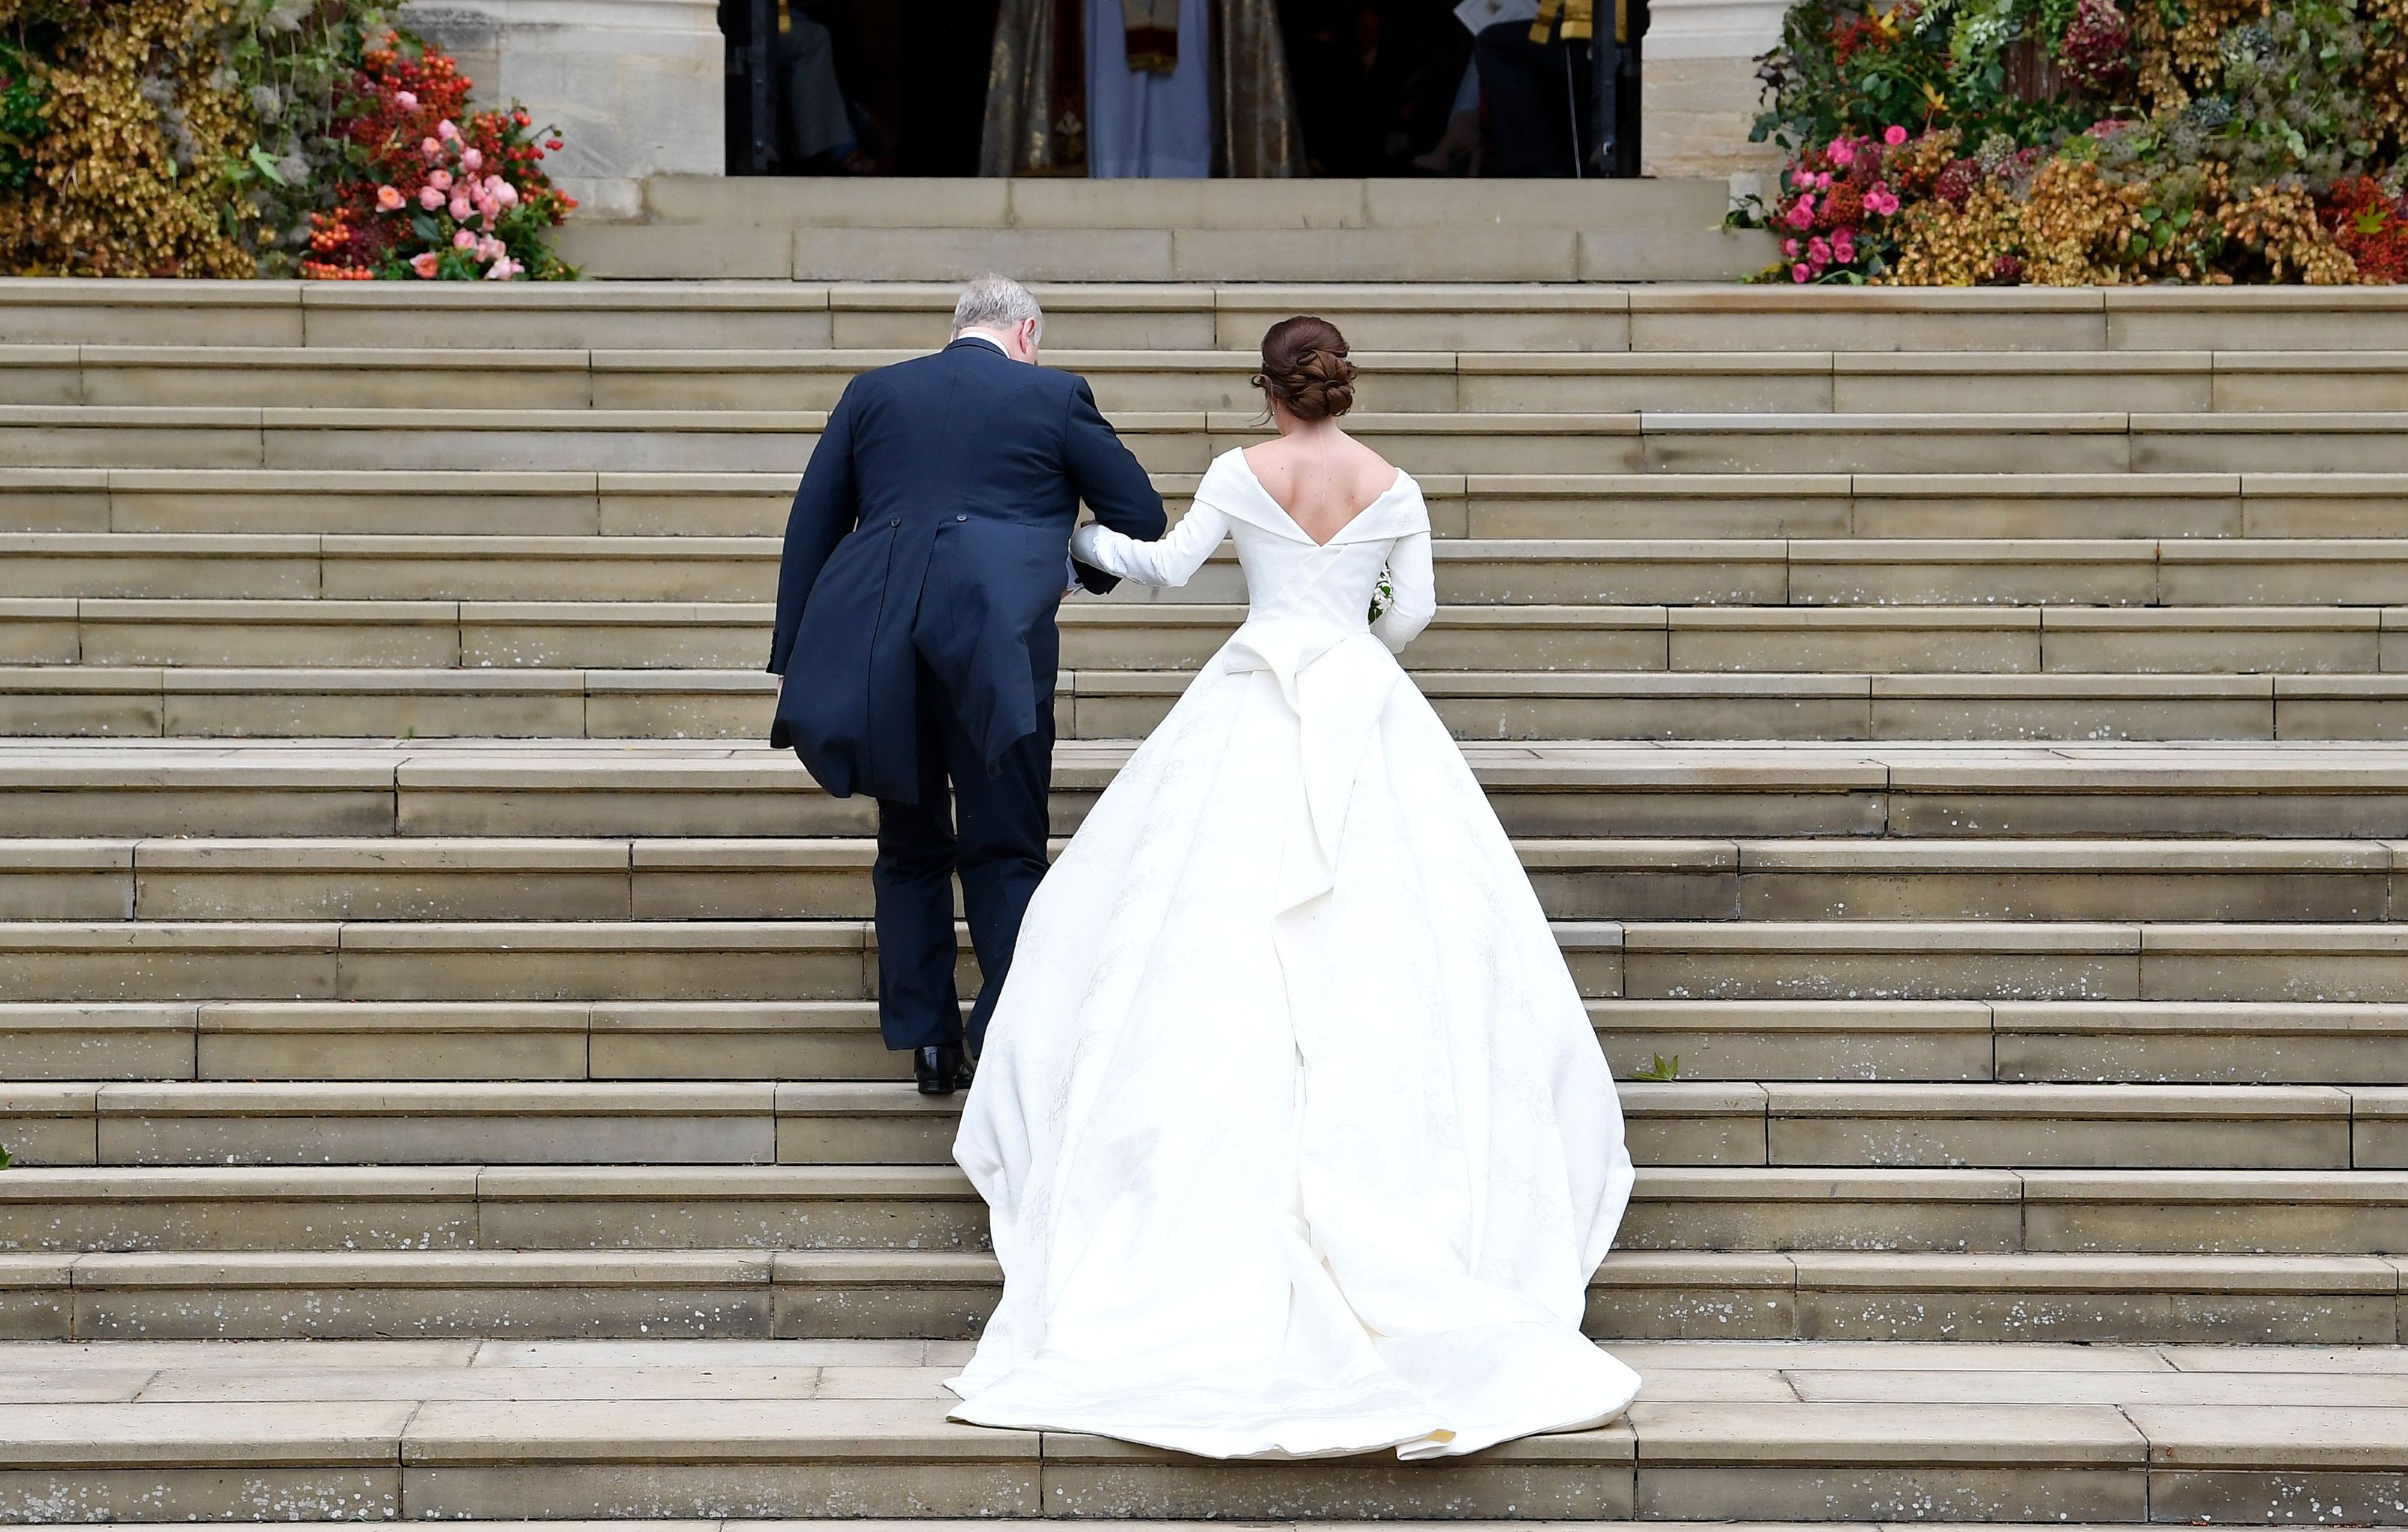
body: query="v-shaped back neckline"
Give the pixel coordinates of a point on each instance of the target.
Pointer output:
(1288, 516)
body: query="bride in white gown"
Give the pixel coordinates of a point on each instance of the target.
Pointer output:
(1296, 1135)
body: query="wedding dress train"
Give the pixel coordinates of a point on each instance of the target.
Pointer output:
(1297, 1137)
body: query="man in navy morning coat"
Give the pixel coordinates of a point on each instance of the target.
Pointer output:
(926, 551)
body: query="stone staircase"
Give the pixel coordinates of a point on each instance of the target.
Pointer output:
(437, 1038)
(1073, 229)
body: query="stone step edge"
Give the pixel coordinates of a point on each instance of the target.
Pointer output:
(338, 856)
(1242, 424)
(320, 613)
(497, 1180)
(447, 1460)
(705, 1294)
(535, 1042)
(1676, 552)
(334, 683)
(121, 356)
(852, 935)
(572, 764)
(1243, 297)
(1732, 1103)
(2039, 484)
(1763, 1271)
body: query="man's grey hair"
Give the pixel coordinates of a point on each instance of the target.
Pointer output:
(996, 303)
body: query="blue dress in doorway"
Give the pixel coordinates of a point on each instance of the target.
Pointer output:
(1140, 123)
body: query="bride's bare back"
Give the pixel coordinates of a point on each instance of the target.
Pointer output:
(1322, 478)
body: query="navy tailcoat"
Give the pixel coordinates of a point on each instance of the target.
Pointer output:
(934, 521)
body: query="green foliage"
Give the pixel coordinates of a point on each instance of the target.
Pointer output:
(292, 63)
(24, 94)
(1660, 1070)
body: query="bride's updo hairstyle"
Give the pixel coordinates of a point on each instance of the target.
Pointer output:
(1305, 368)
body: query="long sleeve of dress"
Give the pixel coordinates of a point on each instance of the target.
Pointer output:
(1170, 560)
(1412, 583)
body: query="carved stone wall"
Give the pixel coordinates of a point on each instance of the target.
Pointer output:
(635, 86)
(1699, 88)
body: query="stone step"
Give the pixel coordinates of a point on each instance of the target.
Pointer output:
(1420, 316)
(1185, 441)
(542, 377)
(2025, 1042)
(116, 961)
(933, 1207)
(931, 1295)
(887, 1122)
(576, 787)
(1669, 507)
(829, 877)
(1241, 253)
(1652, 573)
(1077, 205)
(437, 632)
(189, 702)
(1836, 1432)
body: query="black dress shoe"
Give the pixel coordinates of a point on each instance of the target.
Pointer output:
(939, 1069)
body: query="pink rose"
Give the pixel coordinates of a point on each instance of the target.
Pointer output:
(470, 159)
(405, 100)
(429, 148)
(1801, 178)
(1789, 248)
(429, 198)
(460, 207)
(1818, 250)
(1843, 152)
(503, 192)
(439, 179)
(1823, 181)
(503, 270)
(449, 131)
(388, 199)
(1843, 247)
(1801, 213)
(423, 262)
(1893, 136)
(463, 239)
(1799, 274)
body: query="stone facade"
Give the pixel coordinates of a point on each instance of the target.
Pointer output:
(636, 86)
(1700, 90)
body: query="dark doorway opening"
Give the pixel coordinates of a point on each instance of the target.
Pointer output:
(1382, 88)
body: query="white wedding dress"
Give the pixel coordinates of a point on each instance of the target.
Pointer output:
(1297, 1137)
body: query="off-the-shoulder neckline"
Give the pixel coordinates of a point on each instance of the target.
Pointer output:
(1401, 482)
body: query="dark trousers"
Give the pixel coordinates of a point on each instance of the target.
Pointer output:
(1528, 90)
(990, 831)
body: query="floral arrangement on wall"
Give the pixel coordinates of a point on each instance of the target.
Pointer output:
(221, 138)
(433, 189)
(2089, 141)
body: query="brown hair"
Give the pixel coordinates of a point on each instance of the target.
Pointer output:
(1305, 368)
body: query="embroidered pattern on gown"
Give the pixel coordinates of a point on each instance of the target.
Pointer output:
(1295, 1132)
